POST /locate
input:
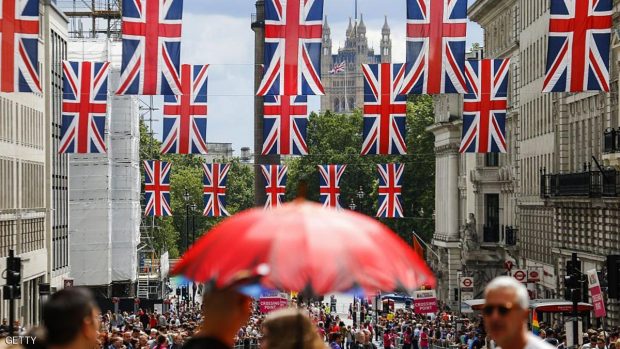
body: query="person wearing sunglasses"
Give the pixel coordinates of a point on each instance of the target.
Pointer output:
(506, 314)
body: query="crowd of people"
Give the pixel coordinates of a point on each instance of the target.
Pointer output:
(72, 320)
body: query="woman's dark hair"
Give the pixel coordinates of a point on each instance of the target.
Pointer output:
(64, 314)
(161, 340)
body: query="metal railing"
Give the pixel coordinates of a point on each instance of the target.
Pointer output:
(490, 233)
(510, 236)
(593, 184)
(611, 141)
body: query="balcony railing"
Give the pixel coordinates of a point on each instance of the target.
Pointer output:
(611, 140)
(490, 234)
(593, 184)
(510, 236)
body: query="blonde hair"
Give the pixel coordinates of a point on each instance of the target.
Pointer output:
(291, 329)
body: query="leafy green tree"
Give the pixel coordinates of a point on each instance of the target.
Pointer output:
(337, 139)
(173, 233)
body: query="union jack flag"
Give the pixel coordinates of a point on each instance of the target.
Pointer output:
(286, 121)
(385, 110)
(185, 116)
(151, 47)
(339, 68)
(214, 189)
(329, 183)
(436, 32)
(390, 189)
(293, 40)
(19, 46)
(84, 107)
(275, 184)
(484, 107)
(578, 47)
(157, 188)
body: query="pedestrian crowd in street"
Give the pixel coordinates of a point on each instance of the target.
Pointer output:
(229, 320)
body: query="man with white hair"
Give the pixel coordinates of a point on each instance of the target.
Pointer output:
(506, 314)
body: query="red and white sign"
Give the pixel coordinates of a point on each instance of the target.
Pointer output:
(533, 275)
(520, 275)
(467, 282)
(269, 304)
(597, 294)
(425, 302)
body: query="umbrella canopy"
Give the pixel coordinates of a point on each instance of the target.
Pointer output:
(304, 247)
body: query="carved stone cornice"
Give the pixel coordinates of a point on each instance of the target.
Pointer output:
(448, 149)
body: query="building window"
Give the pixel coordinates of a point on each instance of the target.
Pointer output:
(491, 226)
(491, 202)
(491, 159)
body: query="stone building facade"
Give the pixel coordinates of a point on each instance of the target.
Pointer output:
(33, 192)
(546, 198)
(344, 91)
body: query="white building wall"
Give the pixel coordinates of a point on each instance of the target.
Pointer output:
(27, 211)
(57, 170)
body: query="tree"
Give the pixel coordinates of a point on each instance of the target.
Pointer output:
(337, 139)
(174, 233)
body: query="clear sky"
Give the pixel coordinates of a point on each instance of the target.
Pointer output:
(217, 32)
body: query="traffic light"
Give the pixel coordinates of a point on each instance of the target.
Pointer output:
(178, 291)
(585, 288)
(572, 284)
(184, 292)
(12, 290)
(13, 270)
(613, 276)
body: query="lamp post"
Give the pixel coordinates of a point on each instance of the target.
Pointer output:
(352, 205)
(194, 207)
(186, 197)
(360, 196)
(377, 296)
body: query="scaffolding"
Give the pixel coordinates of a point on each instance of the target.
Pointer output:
(93, 18)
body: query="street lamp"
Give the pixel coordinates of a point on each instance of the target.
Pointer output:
(194, 206)
(377, 296)
(186, 197)
(352, 205)
(360, 196)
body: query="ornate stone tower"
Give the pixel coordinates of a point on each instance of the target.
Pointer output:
(344, 91)
(386, 43)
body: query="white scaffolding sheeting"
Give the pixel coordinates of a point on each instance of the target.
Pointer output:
(104, 190)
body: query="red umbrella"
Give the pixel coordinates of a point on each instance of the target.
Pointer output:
(302, 246)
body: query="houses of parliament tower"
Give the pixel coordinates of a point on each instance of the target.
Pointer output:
(344, 91)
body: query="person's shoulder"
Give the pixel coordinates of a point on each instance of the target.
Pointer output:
(534, 342)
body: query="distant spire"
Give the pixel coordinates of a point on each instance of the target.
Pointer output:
(386, 26)
(362, 26)
(326, 31)
(350, 28)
